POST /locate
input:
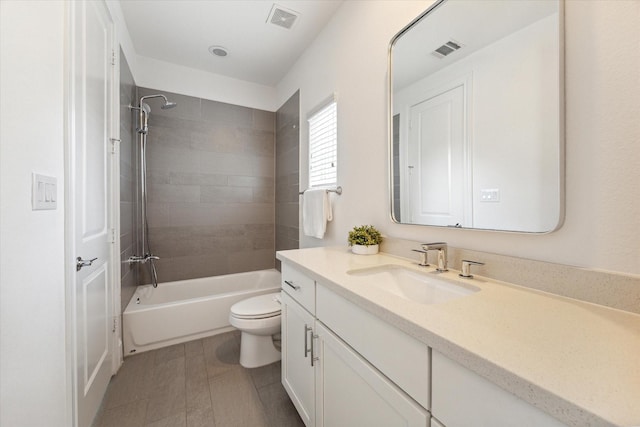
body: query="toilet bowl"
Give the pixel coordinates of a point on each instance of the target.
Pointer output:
(258, 318)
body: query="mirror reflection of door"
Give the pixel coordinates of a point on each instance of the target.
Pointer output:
(508, 132)
(436, 160)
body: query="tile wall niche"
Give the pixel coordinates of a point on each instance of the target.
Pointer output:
(211, 188)
(128, 229)
(287, 174)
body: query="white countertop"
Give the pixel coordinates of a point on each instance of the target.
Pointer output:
(577, 361)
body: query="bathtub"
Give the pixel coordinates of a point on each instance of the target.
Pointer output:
(186, 310)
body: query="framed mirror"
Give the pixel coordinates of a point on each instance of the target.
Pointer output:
(477, 116)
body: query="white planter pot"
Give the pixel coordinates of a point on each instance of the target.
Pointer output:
(364, 250)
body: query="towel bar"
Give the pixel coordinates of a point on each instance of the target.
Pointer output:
(337, 190)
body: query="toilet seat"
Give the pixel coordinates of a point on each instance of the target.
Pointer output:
(260, 307)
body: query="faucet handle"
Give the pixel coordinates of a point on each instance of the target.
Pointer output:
(466, 268)
(423, 257)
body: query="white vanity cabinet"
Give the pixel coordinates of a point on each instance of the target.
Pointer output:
(298, 321)
(462, 398)
(329, 382)
(351, 392)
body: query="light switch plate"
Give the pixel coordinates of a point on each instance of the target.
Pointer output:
(44, 192)
(490, 195)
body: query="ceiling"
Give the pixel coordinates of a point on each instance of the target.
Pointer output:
(457, 21)
(181, 32)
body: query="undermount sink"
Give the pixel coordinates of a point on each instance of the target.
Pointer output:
(424, 288)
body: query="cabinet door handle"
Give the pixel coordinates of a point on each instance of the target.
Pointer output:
(313, 357)
(295, 287)
(306, 341)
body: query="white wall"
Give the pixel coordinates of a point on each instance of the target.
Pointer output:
(155, 74)
(33, 369)
(602, 225)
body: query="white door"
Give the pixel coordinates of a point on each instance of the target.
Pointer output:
(90, 216)
(351, 392)
(436, 164)
(297, 371)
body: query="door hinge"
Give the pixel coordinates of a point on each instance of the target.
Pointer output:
(114, 141)
(112, 235)
(113, 57)
(115, 324)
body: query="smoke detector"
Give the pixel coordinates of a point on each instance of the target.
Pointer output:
(446, 49)
(282, 17)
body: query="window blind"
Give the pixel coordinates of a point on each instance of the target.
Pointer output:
(323, 131)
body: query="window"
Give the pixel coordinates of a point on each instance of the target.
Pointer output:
(323, 131)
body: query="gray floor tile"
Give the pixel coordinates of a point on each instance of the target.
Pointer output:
(132, 382)
(168, 373)
(178, 420)
(197, 384)
(193, 348)
(278, 407)
(235, 401)
(202, 417)
(129, 415)
(167, 402)
(222, 354)
(266, 375)
(196, 368)
(198, 394)
(169, 353)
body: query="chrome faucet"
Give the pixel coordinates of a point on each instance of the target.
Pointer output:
(441, 247)
(423, 257)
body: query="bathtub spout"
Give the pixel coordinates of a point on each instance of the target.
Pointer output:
(133, 259)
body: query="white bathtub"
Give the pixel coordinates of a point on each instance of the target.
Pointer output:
(186, 310)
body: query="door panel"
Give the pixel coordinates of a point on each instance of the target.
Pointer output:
(90, 111)
(436, 164)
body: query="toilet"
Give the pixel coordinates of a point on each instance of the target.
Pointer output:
(258, 318)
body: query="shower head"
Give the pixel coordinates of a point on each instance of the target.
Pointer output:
(166, 103)
(145, 110)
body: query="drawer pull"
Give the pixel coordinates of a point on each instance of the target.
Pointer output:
(295, 287)
(313, 357)
(306, 341)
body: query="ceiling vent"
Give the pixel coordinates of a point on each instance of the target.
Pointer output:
(282, 17)
(446, 49)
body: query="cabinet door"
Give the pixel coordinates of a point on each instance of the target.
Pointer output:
(297, 370)
(462, 398)
(351, 392)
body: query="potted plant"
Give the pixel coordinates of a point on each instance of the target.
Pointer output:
(364, 240)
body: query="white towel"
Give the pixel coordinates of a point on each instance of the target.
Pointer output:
(316, 211)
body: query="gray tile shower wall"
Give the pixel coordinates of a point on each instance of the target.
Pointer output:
(211, 192)
(287, 174)
(128, 230)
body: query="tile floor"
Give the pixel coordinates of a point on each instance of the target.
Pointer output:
(196, 384)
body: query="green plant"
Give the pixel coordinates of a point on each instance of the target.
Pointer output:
(365, 235)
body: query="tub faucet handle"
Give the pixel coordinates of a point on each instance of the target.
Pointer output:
(466, 268)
